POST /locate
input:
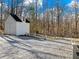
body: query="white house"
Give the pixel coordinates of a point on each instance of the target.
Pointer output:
(15, 26)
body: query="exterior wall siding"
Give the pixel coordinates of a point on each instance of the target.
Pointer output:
(10, 26)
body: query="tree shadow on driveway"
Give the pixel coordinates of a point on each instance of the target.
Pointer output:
(36, 53)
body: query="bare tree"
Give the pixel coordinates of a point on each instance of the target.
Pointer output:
(75, 6)
(36, 14)
(58, 15)
(1, 13)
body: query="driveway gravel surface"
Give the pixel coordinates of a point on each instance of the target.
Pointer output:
(25, 47)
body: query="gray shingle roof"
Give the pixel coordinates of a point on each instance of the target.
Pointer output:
(27, 21)
(16, 18)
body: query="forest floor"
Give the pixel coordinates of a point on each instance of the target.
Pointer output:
(26, 47)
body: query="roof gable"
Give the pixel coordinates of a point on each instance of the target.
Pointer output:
(16, 18)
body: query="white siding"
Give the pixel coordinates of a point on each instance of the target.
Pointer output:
(28, 28)
(16, 28)
(22, 28)
(10, 26)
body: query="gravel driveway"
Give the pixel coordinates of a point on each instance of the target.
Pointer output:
(23, 47)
